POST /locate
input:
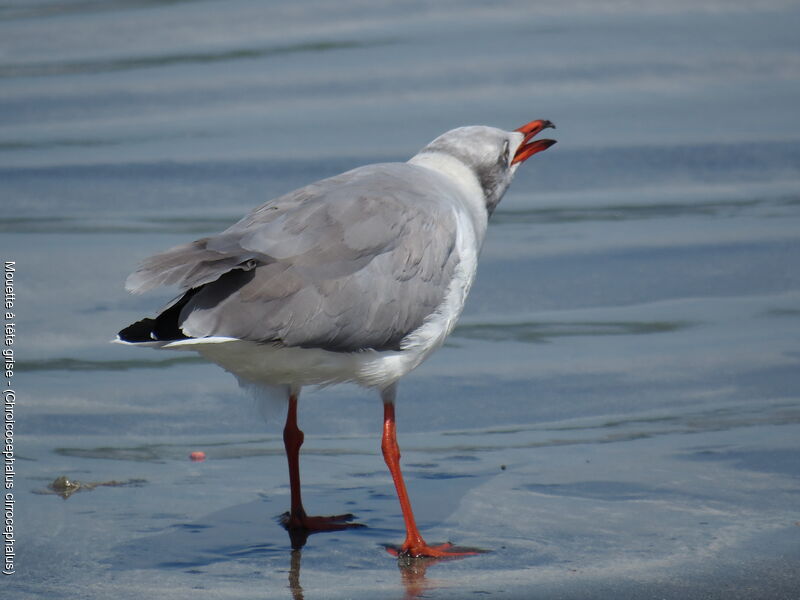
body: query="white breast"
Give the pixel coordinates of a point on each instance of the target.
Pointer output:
(385, 368)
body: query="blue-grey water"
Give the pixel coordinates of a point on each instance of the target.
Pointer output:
(618, 413)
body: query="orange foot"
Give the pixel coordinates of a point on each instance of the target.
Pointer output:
(315, 524)
(423, 550)
(302, 526)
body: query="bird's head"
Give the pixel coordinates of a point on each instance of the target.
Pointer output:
(492, 154)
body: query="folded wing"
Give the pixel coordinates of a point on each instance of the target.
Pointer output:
(352, 262)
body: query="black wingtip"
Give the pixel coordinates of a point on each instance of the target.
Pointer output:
(141, 331)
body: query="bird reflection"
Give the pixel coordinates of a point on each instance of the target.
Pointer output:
(412, 576)
(294, 575)
(413, 570)
(297, 537)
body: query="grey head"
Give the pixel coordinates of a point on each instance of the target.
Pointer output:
(493, 154)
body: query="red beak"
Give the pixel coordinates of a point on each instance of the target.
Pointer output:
(528, 148)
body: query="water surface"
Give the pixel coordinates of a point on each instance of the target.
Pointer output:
(617, 414)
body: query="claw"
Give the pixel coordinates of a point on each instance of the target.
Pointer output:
(438, 551)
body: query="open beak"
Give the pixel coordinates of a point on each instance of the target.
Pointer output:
(528, 148)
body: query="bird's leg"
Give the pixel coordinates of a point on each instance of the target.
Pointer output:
(414, 545)
(292, 440)
(297, 519)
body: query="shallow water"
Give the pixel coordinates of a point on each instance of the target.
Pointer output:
(617, 414)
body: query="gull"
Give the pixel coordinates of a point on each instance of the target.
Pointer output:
(355, 278)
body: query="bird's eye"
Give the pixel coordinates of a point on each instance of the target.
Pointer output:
(505, 151)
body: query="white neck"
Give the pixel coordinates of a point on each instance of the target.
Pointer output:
(465, 179)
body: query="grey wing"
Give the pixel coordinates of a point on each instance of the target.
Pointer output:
(356, 261)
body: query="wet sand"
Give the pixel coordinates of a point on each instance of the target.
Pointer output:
(617, 414)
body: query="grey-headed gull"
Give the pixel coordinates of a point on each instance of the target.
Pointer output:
(358, 278)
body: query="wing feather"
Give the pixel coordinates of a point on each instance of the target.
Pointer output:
(351, 262)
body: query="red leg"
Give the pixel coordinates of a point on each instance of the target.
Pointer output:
(292, 440)
(414, 545)
(296, 518)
